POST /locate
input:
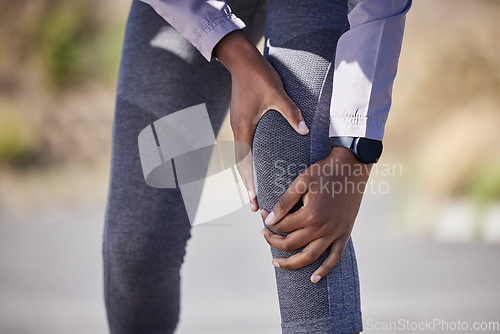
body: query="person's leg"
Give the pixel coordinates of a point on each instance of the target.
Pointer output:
(301, 39)
(146, 229)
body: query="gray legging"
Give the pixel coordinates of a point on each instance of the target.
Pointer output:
(146, 229)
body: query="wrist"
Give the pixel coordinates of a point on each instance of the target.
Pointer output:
(236, 52)
(340, 154)
(347, 163)
(366, 151)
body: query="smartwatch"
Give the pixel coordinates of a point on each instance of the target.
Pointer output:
(366, 150)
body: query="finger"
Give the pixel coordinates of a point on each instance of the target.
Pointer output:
(292, 113)
(291, 222)
(286, 202)
(290, 242)
(310, 254)
(336, 251)
(243, 141)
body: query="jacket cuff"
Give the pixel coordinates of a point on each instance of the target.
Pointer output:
(357, 127)
(215, 30)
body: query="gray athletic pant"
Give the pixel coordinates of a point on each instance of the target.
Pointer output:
(146, 229)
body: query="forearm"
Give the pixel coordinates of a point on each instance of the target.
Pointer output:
(236, 52)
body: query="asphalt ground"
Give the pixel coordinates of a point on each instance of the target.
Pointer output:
(51, 276)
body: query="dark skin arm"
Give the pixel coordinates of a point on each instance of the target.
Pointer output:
(326, 219)
(256, 88)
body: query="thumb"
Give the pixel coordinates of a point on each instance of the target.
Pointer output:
(292, 114)
(244, 164)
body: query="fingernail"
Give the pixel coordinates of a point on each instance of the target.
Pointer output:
(270, 218)
(302, 127)
(263, 230)
(276, 264)
(316, 279)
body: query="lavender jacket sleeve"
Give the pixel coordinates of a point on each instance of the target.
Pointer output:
(366, 59)
(202, 22)
(365, 67)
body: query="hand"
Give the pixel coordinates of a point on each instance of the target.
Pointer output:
(256, 88)
(331, 190)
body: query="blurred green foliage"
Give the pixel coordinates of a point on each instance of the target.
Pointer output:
(18, 144)
(484, 184)
(67, 42)
(51, 49)
(74, 46)
(64, 35)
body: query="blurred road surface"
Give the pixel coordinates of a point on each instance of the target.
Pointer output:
(50, 275)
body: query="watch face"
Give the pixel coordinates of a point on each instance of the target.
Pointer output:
(368, 150)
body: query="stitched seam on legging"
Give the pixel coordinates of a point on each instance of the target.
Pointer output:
(342, 282)
(318, 105)
(331, 317)
(356, 287)
(280, 45)
(108, 272)
(310, 32)
(330, 301)
(322, 92)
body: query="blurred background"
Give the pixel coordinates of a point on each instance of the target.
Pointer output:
(428, 241)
